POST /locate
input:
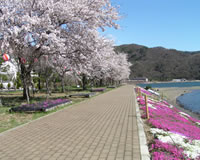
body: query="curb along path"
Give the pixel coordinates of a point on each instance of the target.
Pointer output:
(101, 128)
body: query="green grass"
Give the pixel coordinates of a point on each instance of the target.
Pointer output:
(14, 99)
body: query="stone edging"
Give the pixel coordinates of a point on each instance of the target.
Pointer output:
(144, 152)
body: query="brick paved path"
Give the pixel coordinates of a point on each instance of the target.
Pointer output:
(102, 128)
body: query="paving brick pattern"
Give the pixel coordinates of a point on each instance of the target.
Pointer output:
(101, 128)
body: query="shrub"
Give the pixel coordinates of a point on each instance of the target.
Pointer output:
(18, 81)
(9, 85)
(1, 86)
(148, 87)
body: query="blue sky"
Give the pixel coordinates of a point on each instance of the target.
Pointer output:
(167, 23)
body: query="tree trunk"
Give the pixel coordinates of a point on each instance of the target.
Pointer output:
(1, 102)
(25, 76)
(39, 81)
(48, 90)
(101, 83)
(33, 88)
(112, 82)
(27, 95)
(84, 82)
(54, 84)
(63, 84)
(109, 81)
(92, 83)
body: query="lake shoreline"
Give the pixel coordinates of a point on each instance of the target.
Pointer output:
(171, 94)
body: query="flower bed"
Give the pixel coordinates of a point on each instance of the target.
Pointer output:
(177, 135)
(41, 106)
(111, 87)
(87, 95)
(98, 90)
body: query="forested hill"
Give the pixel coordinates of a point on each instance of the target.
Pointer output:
(160, 63)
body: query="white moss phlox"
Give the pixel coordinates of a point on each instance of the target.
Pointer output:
(151, 106)
(191, 147)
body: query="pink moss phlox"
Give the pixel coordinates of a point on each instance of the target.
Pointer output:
(198, 158)
(143, 116)
(162, 156)
(139, 98)
(176, 110)
(170, 120)
(152, 102)
(166, 103)
(145, 91)
(167, 151)
(142, 102)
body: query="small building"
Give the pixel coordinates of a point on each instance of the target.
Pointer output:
(141, 79)
(135, 80)
(179, 80)
(5, 84)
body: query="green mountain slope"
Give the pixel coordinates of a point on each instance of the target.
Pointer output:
(161, 64)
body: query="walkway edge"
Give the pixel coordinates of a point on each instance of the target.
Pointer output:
(144, 152)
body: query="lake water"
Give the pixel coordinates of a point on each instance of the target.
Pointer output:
(167, 85)
(190, 101)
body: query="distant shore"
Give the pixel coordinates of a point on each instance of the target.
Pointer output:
(150, 82)
(171, 94)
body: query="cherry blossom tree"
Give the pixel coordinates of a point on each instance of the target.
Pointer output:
(118, 68)
(45, 68)
(94, 57)
(105, 53)
(30, 29)
(61, 66)
(106, 64)
(83, 47)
